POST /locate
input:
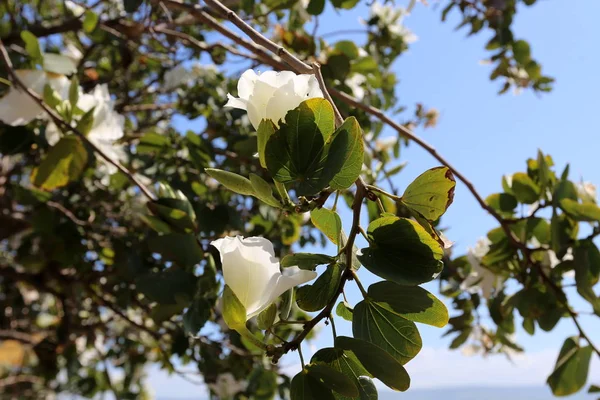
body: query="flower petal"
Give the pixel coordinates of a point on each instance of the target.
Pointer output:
(235, 102)
(291, 277)
(246, 84)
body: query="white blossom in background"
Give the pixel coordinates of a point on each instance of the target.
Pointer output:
(18, 108)
(181, 75)
(71, 51)
(355, 83)
(108, 126)
(550, 259)
(587, 191)
(392, 17)
(75, 8)
(226, 386)
(252, 272)
(270, 95)
(386, 143)
(480, 277)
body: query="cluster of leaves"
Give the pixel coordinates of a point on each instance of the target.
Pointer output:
(558, 250)
(511, 56)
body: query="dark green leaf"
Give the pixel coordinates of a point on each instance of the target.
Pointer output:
(502, 202)
(411, 302)
(375, 323)
(352, 147)
(333, 379)
(197, 315)
(316, 296)
(307, 261)
(521, 51)
(171, 286)
(180, 248)
(315, 7)
(375, 360)
(305, 387)
(571, 370)
(402, 251)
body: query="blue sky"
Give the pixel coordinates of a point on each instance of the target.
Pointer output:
(485, 136)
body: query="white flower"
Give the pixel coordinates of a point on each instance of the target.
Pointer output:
(176, 77)
(355, 84)
(107, 128)
(76, 9)
(72, 52)
(386, 143)
(226, 386)
(587, 191)
(271, 95)
(251, 270)
(18, 108)
(480, 276)
(391, 17)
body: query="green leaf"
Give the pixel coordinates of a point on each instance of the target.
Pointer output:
(348, 48)
(316, 296)
(586, 258)
(594, 389)
(333, 379)
(308, 261)
(305, 387)
(315, 7)
(266, 128)
(74, 91)
(377, 362)
(64, 163)
(90, 20)
(571, 370)
(267, 317)
(197, 315)
(351, 132)
(402, 251)
(32, 46)
(181, 248)
(263, 191)
(175, 213)
(86, 122)
(231, 181)
(344, 310)
(345, 4)
(524, 189)
(171, 286)
(521, 51)
(348, 364)
(304, 152)
(431, 193)
(502, 202)
(581, 212)
(328, 222)
(411, 302)
(131, 6)
(152, 142)
(51, 96)
(375, 323)
(234, 312)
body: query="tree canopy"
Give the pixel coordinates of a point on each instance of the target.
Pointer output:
(129, 238)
